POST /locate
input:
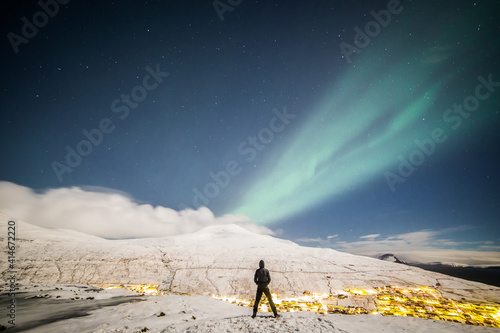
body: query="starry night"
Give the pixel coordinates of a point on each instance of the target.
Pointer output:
(348, 129)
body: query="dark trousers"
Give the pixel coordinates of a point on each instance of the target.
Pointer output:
(263, 289)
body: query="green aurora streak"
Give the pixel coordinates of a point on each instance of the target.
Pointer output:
(352, 137)
(372, 114)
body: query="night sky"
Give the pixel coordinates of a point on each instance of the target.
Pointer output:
(268, 109)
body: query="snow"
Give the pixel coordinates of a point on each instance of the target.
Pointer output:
(217, 260)
(206, 314)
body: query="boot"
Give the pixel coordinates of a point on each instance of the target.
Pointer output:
(254, 314)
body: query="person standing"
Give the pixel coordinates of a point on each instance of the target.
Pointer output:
(262, 278)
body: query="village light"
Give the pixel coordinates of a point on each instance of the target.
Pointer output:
(421, 302)
(151, 289)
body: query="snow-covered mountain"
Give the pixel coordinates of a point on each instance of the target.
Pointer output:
(218, 260)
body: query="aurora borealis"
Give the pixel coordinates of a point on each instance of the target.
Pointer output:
(393, 105)
(335, 151)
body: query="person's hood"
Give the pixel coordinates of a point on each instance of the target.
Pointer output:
(261, 264)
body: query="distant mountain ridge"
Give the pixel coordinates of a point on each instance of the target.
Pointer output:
(487, 275)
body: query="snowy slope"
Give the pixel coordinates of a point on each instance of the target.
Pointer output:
(216, 260)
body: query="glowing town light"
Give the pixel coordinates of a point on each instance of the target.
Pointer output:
(139, 288)
(421, 302)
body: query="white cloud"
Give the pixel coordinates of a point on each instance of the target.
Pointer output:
(424, 246)
(372, 236)
(333, 236)
(107, 213)
(309, 240)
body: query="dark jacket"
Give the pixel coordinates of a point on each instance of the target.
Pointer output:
(262, 276)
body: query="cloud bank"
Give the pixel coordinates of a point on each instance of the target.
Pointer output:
(424, 246)
(107, 213)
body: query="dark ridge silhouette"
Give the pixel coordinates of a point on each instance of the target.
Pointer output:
(391, 257)
(488, 275)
